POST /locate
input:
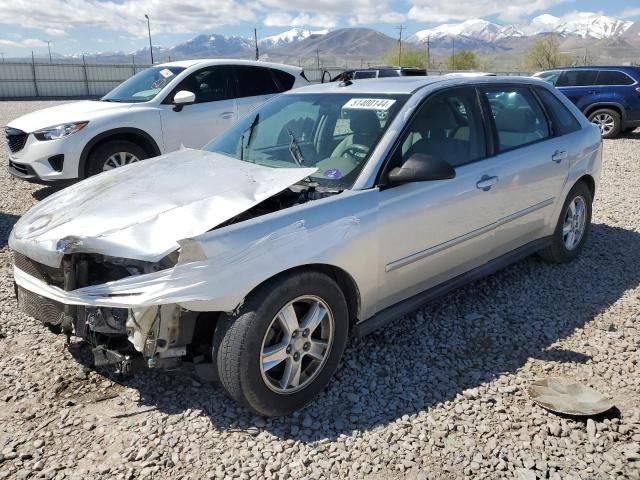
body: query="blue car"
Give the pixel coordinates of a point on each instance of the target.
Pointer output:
(608, 96)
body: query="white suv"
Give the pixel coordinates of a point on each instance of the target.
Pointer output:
(154, 112)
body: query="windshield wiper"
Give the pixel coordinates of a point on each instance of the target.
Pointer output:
(294, 149)
(249, 137)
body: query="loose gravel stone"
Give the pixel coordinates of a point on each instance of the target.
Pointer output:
(439, 394)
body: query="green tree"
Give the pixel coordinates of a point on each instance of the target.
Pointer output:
(462, 60)
(409, 57)
(545, 54)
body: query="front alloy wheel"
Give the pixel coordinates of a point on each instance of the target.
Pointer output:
(282, 346)
(119, 159)
(296, 345)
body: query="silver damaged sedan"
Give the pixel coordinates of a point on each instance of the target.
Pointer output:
(330, 210)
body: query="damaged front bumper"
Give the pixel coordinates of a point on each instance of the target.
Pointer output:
(118, 334)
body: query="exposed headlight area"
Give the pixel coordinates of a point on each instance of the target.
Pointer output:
(59, 131)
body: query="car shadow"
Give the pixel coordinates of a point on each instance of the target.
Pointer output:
(7, 221)
(44, 192)
(633, 134)
(468, 338)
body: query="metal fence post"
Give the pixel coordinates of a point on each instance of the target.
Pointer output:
(86, 78)
(33, 69)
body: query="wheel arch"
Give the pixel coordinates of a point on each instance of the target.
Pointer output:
(610, 105)
(131, 134)
(344, 280)
(590, 182)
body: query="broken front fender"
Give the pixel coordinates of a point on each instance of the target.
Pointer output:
(217, 283)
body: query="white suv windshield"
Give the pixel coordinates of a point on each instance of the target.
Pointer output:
(143, 86)
(334, 132)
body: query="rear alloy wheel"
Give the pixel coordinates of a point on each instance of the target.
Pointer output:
(284, 344)
(113, 154)
(608, 121)
(572, 227)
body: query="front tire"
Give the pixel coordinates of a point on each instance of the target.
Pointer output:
(284, 344)
(573, 226)
(113, 154)
(608, 121)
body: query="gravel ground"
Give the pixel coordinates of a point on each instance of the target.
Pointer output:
(440, 395)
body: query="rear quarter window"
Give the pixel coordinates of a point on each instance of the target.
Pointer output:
(612, 77)
(563, 121)
(283, 79)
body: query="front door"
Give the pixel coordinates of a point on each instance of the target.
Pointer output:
(433, 231)
(213, 112)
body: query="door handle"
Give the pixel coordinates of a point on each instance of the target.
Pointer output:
(558, 156)
(486, 182)
(226, 114)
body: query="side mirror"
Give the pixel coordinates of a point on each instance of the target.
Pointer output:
(182, 98)
(420, 167)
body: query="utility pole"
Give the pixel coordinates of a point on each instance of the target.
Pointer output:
(428, 52)
(2, 55)
(49, 47)
(255, 38)
(400, 28)
(318, 58)
(453, 53)
(149, 30)
(586, 55)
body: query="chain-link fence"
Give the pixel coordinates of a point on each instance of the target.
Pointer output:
(92, 80)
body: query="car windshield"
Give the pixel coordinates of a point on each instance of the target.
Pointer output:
(143, 86)
(335, 133)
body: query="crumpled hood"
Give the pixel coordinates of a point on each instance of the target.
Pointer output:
(141, 210)
(86, 110)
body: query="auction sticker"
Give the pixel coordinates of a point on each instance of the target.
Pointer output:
(166, 73)
(369, 103)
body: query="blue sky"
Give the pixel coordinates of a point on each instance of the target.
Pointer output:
(89, 26)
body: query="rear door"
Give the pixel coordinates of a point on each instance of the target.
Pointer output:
(579, 86)
(213, 111)
(618, 87)
(532, 162)
(257, 84)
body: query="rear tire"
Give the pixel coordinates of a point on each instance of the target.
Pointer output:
(113, 154)
(572, 228)
(608, 121)
(271, 355)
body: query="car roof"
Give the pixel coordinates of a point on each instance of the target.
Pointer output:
(593, 67)
(408, 85)
(207, 62)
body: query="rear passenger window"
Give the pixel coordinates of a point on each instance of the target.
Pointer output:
(563, 120)
(253, 81)
(610, 77)
(449, 126)
(518, 117)
(577, 78)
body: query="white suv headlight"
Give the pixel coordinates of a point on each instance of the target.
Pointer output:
(59, 131)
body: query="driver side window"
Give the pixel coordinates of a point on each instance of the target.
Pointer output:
(448, 126)
(209, 84)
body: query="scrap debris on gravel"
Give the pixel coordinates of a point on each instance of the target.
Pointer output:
(439, 395)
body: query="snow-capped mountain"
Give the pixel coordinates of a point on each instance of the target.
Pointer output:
(591, 25)
(582, 24)
(477, 29)
(290, 36)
